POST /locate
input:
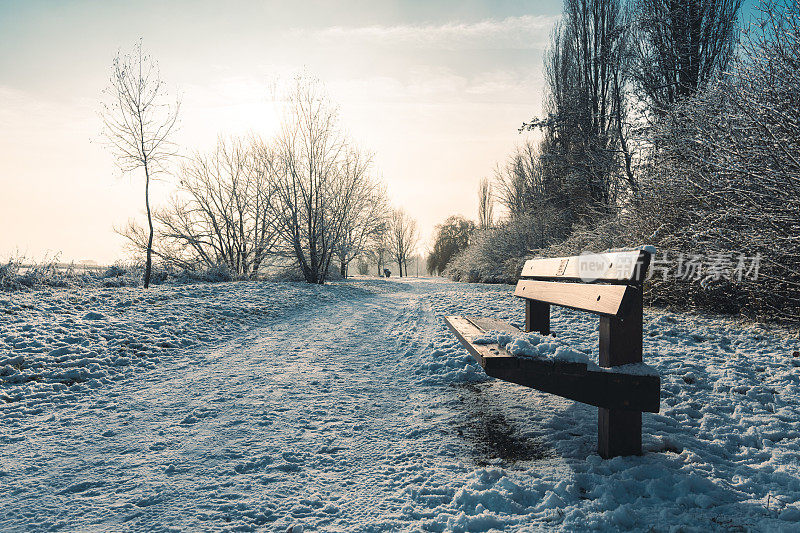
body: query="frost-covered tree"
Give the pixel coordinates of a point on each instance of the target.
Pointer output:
(726, 175)
(451, 237)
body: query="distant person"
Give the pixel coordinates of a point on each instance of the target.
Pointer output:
(387, 273)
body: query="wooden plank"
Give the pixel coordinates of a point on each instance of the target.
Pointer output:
(465, 331)
(630, 266)
(570, 380)
(600, 299)
(609, 390)
(487, 324)
(492, 356)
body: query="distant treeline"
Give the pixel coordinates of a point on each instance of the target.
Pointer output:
(67, 266)
(666, 123)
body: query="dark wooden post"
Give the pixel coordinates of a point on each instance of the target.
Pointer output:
(537, 317)
(619, 431)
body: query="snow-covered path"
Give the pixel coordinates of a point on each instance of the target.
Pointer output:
(316, 419)
(360, 412)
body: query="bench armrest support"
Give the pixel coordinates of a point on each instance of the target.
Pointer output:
(537, 317)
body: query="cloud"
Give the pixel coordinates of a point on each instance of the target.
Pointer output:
(513, 33)
(441, 86)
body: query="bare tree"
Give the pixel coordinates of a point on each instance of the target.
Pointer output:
(365, 215)
(139, 124)
(403, 238)
(485, 204)
(221, 214)
(319, 178)
(520, 181)
(380, 245)
(680, 45)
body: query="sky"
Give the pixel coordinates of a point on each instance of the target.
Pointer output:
(435, 90)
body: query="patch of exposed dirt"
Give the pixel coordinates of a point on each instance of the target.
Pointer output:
(489, 433)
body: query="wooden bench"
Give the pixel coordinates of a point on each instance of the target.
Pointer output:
(608, 285)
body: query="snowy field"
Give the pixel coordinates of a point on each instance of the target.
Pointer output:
(350, 407)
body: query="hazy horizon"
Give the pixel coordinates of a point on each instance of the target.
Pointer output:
(435, 92)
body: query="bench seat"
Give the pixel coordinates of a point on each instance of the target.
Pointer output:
(575, 381)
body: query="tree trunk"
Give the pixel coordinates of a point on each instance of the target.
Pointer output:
(343, 269)
(256, 263)
(149, 262)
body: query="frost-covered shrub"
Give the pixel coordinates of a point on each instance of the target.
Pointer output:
(725, 177)
(217, 273)
(45, 274)
(604, 234)
(9, 274)
(16, 275)
(291, 272)
(496, 255)
(480, 263)
(286, 273)
(334, 274)
(115, 271)
(158, 276)
(122, 274)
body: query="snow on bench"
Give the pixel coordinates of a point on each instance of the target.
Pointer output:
(622, 386)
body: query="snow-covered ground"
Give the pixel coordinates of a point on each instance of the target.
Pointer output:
(350, 407)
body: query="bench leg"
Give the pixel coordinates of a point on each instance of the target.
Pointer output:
(537, 317)
(619, 432)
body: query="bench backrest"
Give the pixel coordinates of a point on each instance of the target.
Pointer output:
(605, 284)
(608, 284)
